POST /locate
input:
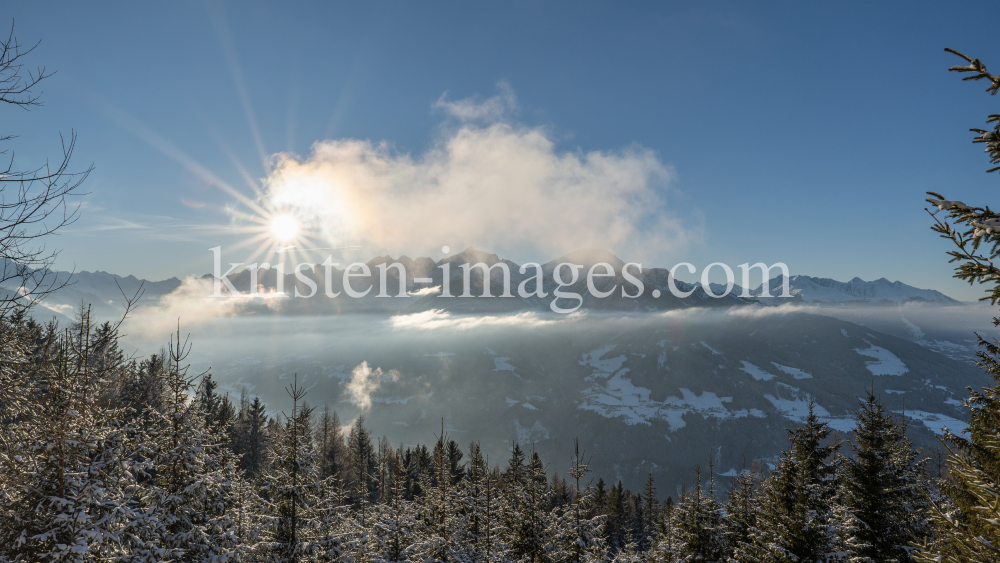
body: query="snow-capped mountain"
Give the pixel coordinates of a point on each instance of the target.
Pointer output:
(826, 290)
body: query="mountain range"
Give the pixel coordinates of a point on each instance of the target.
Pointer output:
(648, 385)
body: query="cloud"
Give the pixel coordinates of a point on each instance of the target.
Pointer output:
(436, 319)
(365, 381)
(484, 182)
(193, 304)
(425, 291)
(469, 109)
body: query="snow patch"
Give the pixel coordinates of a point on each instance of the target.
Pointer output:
(794, 372)
(886, 363)
(603, 368)
(503, 364)
(714, 351)
(937, 423)
(613, 395)
(756, 372)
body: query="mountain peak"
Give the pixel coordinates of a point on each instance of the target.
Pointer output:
(589, 256)
(826, 290)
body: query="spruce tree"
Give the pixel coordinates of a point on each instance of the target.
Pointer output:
(741, 509)
(525, 520)
(698, 521)
(577, 538)
(442, 527)
(795, 521)
(191, 495)
(881, 507)
(294, 489)
(966, 519)
(363, 468)
(395, 522)
(67, 458)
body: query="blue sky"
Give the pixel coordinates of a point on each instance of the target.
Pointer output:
(798, 132)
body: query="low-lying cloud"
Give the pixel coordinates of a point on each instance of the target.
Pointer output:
(365, 381)
(437, 319)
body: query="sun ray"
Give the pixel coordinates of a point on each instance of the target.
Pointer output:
(143, 132)
(260, 237)
(247, 178)
(221, 24)
(260, 252)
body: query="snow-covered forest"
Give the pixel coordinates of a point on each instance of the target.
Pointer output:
(108, 458)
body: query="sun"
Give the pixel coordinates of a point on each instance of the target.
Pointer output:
(284, 227)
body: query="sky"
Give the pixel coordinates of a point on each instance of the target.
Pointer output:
(803, 133)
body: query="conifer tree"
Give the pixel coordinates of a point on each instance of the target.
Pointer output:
(442, 528)
(575, 537)
(363, 467)
(395, 519)
(190, 497)
(294, 509)
(525, 518)
(698, 521)
(333, 449)
(795, 520)
(250, 439)
(881, 507)
(665, 548)
(741, 509)
(651, 507)
(67, 457)
(967, 519)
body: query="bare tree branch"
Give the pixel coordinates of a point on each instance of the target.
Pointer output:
(34, 203)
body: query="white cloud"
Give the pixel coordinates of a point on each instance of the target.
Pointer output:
(193, 304)
(491, 109)
(425, 291)
(438, 319)
(365, 381)
(486, 183)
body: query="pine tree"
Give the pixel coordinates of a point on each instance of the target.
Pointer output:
(666, 547)
(575, 537)
(333, 449)
(395, 524)
(363, 467)
(741, 509)
(880, 505)
(295, 509)
(442, 528)
(651, 508)
(967, 518)
(525, 518)
(67, 457)
(698, 521)
(795, 520)
(191, 496)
